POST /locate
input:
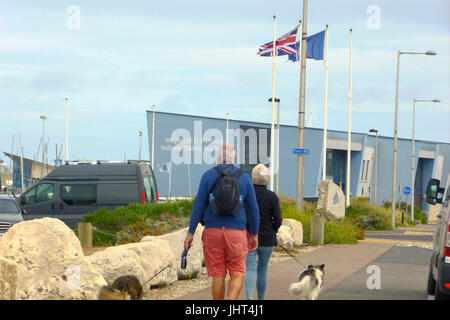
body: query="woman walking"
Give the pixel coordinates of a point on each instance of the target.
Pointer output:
(270, 222)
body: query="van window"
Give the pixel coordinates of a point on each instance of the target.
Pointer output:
(116, 193)
(149, 186)
(29, 197)
(42, 192)
(79, 194)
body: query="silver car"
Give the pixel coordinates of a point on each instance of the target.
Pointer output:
(10, 213)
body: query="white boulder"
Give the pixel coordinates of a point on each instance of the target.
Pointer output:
(176, 241)
(296, 231)
(8, 279)
(284, 237)
(142, 259)
(50, 261)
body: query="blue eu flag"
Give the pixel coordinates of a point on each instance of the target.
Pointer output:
(314, 47)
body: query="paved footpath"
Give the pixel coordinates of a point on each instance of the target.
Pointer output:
(340, 261)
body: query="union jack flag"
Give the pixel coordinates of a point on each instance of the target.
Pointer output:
(284, 45)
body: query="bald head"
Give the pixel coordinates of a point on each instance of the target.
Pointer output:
(226, 153)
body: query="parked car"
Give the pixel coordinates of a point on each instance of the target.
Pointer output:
(439, 272)
(10, 213)
(72, 190)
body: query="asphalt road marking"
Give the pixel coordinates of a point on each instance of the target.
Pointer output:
(425, 244)
(419, 233)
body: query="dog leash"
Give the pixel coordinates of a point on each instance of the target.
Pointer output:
(291, 255)
(169, 265)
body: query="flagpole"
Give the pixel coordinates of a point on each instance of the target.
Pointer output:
(301, 110)
(226, 132)
(272, 140)
(153, 138)
(67, 133)
(21, 163)
(278, 149)
(170, 180)
(324, 168)
(349, 134)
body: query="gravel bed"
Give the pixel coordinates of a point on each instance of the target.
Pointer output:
(182, 288)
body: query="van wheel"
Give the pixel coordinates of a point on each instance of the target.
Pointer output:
(439, 295)
(431, 285)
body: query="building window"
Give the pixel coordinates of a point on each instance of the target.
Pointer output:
(363, 172)
(79, 194)
(255, 147)
(366, 176)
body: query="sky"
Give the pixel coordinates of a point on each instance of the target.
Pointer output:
(114, 59)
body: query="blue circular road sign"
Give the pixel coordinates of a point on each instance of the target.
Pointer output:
(406, 190)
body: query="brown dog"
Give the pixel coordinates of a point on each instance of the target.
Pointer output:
(123, 288)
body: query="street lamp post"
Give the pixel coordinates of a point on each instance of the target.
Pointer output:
(278, 143)
(413, 154)
(43, 118)
(376, 166)
(394, 173)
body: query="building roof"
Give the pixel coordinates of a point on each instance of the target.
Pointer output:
(289, 125)
(14, 157)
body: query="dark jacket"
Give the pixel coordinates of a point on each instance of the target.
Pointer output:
(270, 216)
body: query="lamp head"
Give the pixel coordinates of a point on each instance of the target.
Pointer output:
(373, 130)
(436, 100)
(430, 53)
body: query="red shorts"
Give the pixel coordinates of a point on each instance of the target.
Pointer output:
(225, 249)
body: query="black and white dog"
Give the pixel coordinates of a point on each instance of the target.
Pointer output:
(309, 283)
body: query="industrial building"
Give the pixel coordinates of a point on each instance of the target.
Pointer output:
(32, 171)
(183, 145)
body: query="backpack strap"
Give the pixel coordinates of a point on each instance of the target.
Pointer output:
(223, 172)
(238, 173)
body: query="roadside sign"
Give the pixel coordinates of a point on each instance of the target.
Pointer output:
(300, 151)
(406, 190)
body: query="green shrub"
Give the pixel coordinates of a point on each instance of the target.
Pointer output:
(341, 232)
(372, 217)
(136, 231)
(336, 230)
(111, 222)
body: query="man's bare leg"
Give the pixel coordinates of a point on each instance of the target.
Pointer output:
(218, 288)
(235, 286)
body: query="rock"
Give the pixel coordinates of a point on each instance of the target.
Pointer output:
(331, 198)
(176, 241)
(142, 259)
(50, 261)
(296, 231)
(284, 237)
(8, 279)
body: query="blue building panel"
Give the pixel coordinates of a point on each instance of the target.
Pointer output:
(193, 137)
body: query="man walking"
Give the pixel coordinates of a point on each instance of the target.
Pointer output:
(224, 195)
